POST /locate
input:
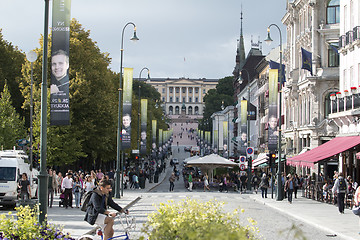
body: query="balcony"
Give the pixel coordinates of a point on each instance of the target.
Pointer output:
(341, 104)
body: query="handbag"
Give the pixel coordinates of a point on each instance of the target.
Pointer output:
(356, 210)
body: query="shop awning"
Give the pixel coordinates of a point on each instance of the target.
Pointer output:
(262, 158)
(324, 151)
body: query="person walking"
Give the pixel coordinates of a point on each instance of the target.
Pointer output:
(24, 186)
(88, 185)
(340, 189)
(77, 187)
(172, 180)
(357, 200)
(264, 185)
(52, 184)
(66, 187)
(190, 180)
(289, 187)
(206, 182)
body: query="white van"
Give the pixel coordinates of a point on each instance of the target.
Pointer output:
(13, 163)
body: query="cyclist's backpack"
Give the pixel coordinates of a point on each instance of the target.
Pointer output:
(342, 185)
(85, 200)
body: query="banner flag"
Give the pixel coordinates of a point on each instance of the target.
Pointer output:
(216, 138)
(143, 132)
(273, 111)
(306, 60)
(160, 137)
(276, 65)
(127, 101)
(59, 83)
(225, 132)
(153, 123)
(243, 127)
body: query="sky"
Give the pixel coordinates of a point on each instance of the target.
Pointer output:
(178, 38)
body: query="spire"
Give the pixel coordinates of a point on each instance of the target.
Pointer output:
(240, 52)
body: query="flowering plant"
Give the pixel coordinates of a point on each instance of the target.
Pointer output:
(353, 88)
(26, 226)
(197, 220)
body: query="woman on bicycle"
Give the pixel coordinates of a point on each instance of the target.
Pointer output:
(97, 212)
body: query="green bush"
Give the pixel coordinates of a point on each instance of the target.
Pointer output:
(193, 219)
(26, 226)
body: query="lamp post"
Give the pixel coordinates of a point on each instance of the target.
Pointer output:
(118, 165)
(248, 129)
(43, 175)
(31, 57)
(139, 113)
(279, 187)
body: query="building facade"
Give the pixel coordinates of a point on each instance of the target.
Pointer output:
(314, 26)
(183, 95)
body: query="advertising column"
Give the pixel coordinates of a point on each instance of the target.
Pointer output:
(59, 83)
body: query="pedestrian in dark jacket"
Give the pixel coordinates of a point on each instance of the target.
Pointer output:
(97, 212)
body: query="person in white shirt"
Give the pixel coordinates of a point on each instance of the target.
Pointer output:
(88, 185)
(66, 188)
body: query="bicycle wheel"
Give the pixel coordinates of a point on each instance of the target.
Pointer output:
(124, 224)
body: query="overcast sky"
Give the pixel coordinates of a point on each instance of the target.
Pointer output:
(178, 38)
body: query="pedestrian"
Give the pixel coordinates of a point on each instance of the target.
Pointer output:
(172, 180)
(357, 200)
(296, 182)
(52, 184)
(59, 179)
(264, 185)
(190, 180)
(255, 182)
(24, 186)
(243, 179)
(88, 185)
(289, 187)
(340, 189)
(77, 187)
(206, 182)
(67, 187)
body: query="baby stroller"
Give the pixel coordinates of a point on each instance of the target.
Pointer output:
(62, 200)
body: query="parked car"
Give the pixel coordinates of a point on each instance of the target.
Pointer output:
(187, 149)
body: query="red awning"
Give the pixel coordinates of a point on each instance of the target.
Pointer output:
(326, 150)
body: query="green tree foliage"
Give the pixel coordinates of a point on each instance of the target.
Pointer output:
(11, 60)
(12, 127)
(215, 99)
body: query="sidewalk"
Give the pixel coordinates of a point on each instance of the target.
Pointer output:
(321, 215)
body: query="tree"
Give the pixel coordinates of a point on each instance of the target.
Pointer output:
(12, 127)
(215, 99)
(11, 60)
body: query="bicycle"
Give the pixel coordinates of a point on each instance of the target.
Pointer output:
(122, 223)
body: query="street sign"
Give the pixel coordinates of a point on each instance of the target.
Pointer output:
(250, 150)
(242, 167)
(135, 151)
(242, 159)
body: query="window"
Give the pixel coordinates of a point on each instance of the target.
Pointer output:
(171, 90)
(333, 12)
(196, 99)
(177, 90)
(333, 54)
(196, 90)
(190, 99)
(163, 99)
(204, 91)
(327, 104)
(177, 99)
(163, 90)
(183, 90)
(190, 90)
(183, 99)
(171, 99)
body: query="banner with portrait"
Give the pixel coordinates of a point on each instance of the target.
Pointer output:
(59, 83)
(127, 101)
(243, 127)
(273, 111)
(143, 133)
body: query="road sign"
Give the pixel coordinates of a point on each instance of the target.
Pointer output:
(242, 159)
(242, 167)
(250, 150)
(135, 151)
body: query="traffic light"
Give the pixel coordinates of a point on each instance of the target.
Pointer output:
(137, 157)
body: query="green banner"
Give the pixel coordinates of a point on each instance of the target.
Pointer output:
(160, 137)
(127, 101)
(143, 134)
(216, 139)
(59, 83)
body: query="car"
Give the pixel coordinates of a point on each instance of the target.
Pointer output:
(175, 161)
(187, 149)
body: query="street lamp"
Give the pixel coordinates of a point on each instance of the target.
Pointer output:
(268, 41)
(139, 113)
(117, 184)
(31, 57)
(43, 175)
(248, 128)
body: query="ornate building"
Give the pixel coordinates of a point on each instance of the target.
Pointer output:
(183, 94)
